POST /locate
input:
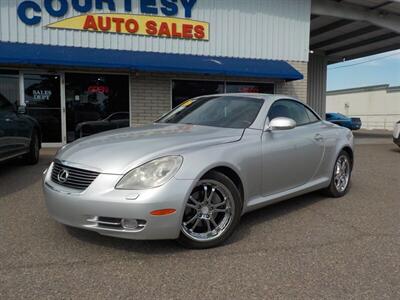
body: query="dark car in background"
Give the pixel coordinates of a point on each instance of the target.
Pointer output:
(113, 121)
(342, 120)
(20, 134)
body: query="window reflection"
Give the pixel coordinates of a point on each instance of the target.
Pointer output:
(95, 103)
(9, 86)
(186, 89)
(43, 102)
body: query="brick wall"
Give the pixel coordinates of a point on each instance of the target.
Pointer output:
(151, 92)
(298, 88)
(150, 97)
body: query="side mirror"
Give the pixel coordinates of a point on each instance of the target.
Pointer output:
(281, 123)
(21, 110)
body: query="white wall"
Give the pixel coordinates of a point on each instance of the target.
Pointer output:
(267, 29)
(378, 109)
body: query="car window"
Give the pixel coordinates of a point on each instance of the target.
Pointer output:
(289, 109)
(334, 116)
(5, 105)
(217, 111)
(311, 115)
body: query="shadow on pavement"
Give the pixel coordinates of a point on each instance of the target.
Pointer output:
(16, 176)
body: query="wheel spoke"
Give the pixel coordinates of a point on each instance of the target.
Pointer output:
(220, 204)
(196, 224)
(208, 225)
(209, 198)
(191, 205)
(205, 193)
(344, 164)
(214, 223)
(191, 198)
(191, 220)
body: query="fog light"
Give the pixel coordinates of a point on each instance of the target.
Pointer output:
(129, 224)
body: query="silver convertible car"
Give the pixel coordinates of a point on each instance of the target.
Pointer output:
(193, 173)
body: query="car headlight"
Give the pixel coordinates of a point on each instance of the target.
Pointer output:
(152, 174)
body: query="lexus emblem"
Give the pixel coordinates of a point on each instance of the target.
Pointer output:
(63, 176)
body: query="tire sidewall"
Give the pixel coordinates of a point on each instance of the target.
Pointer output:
(33, 156)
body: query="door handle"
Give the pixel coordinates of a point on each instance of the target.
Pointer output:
(318, 137)
(7, 120)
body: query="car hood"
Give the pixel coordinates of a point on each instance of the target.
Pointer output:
(118, 151)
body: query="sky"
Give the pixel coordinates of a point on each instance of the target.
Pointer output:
(383, 68)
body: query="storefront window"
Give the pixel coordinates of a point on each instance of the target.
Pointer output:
(43, 102)
(186, 89)
(9, 86)
(95, 103)
(243, 87)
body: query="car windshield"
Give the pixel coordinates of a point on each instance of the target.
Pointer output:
(217, 111)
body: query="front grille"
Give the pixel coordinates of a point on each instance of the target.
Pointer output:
(78, 179)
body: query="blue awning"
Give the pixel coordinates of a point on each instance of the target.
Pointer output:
(24, 54)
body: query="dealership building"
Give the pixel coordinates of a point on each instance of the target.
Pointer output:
(72, 62)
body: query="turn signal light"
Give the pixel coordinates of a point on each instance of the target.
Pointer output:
(163, 212)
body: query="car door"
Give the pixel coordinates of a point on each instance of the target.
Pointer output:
(8, 128)
(291, 158)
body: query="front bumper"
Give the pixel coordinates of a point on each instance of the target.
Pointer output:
(101, 199)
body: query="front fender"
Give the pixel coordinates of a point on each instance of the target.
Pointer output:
(243, 157)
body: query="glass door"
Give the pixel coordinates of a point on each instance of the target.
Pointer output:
(43, 102)
(95, 103)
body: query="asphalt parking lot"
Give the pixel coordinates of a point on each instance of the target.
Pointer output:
(307, 247)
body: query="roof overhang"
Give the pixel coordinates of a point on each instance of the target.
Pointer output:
(24, 54)
(349, 29)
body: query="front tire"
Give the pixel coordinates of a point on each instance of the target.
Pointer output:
(212, 212)
(340, 182)
(32, 157)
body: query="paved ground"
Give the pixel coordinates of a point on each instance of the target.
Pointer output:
(308, 247)
(364, 136)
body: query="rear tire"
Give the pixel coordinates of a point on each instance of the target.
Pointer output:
(341, 176)
(212, 212)
(32, 157)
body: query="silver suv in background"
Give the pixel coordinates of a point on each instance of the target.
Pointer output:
(396, 134)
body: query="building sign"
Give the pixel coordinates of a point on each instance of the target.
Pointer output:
(156, 18)
(41, 95)
(137, 24)
(98, 89)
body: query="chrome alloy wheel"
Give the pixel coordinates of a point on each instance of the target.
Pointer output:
(342, 173)
(208, 212)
